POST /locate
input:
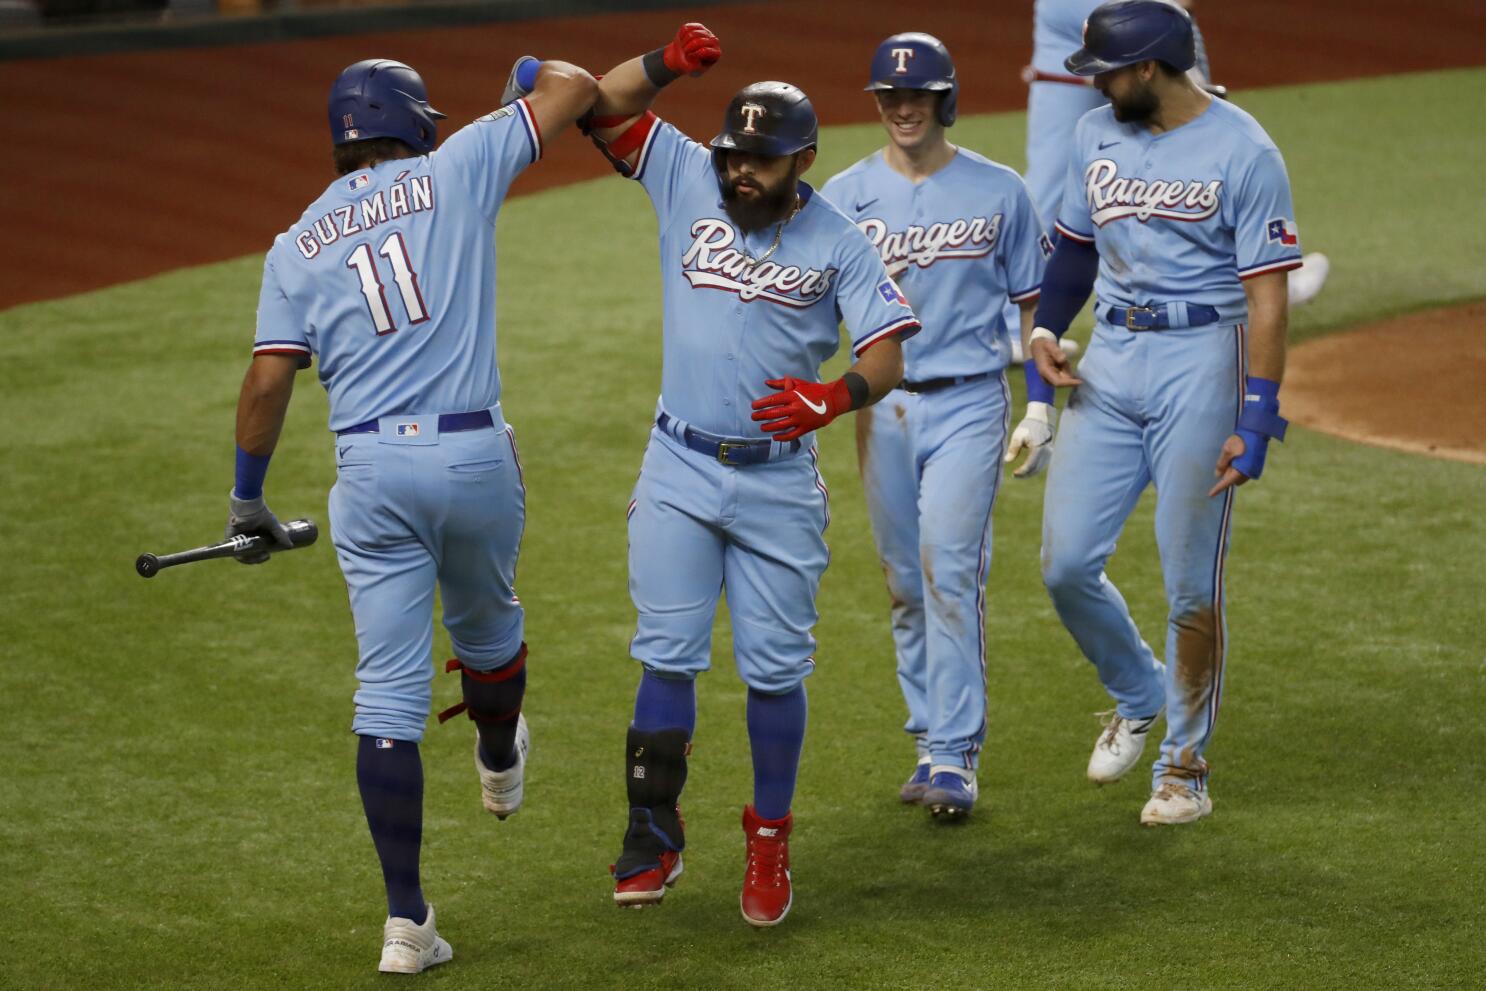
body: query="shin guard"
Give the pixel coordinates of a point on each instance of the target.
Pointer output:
(655, 773)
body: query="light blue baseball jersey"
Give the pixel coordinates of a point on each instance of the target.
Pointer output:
(1057, 32)
(1182, 215)
(730, 323)
(389, 277)
(959, 243)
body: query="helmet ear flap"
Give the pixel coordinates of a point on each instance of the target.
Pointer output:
(948, 106)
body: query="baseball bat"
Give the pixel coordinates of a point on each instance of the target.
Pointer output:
(301, 532)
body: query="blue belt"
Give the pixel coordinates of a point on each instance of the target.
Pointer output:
(449, 423)
(1161, 316)
(724, 449)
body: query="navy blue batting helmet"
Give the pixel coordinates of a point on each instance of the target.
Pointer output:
(1128, 31)
(769, 118)
(914, 60)
(380, 98)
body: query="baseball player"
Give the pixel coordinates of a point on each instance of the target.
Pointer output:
(1177, 213)
(959, 234)
(757, 272)
(1056, 99)
(389, 279)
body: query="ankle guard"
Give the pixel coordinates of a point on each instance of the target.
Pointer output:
(651, 832)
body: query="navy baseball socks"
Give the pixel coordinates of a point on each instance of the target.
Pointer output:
(389, 775)
(492, 699)
(655, 773)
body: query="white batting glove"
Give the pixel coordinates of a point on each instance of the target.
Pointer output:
(1034, 435)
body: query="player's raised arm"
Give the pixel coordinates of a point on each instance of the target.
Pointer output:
(621, 117)
(558, 93)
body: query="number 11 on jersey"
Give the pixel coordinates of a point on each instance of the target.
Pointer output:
(396, 252)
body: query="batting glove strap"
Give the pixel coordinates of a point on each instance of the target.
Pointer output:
(1263, 418)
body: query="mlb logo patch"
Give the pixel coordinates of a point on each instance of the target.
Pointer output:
(1046, 244)
(352, 134)
(359, 181)
(385, 744)
(890, 292)
(407, 430)
(1283, 231)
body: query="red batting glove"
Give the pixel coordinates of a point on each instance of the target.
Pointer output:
(693, 51)
(800, 407)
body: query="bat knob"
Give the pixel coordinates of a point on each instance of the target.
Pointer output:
(302, 532)
(148, 565)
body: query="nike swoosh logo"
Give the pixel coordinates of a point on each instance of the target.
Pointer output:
(819, 410)
(1107, 144)
(862, 206)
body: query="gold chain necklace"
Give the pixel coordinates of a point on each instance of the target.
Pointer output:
(778, 234)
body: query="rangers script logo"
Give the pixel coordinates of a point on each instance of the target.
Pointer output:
(713, 263)
(923, 246)
(1114, 198)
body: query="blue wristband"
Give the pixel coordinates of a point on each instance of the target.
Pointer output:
(251, 470)
(526, 73)
(1256, 388)
(1038, 391)
(1260, 412)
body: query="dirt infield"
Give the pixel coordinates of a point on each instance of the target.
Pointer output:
(1413, 384)
(138, 163)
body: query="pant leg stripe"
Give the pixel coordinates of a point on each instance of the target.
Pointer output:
(820, 483)
(1220, 645)
(985, 558)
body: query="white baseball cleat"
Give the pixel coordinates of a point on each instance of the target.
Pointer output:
(412, 949)
(502, 791)
(1306, 281)
(1173, 804)
(1118, 747)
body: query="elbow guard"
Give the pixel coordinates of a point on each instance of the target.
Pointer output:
(623, 145)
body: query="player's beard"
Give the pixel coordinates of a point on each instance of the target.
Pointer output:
(768, 207)
(1137, 106)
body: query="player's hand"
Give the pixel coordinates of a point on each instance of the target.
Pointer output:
(522, 80)
(254, 518)
(1227, 475)
(1035, 436)
(693, 51)
(800, 407)
(1052, 364)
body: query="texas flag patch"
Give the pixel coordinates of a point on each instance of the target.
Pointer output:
(1283, 231)
(890, 292)
(359, 181)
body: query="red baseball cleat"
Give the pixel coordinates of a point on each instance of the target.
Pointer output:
(649, 886)
(767, 893)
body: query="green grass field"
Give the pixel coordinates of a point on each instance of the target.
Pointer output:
(178, 797)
